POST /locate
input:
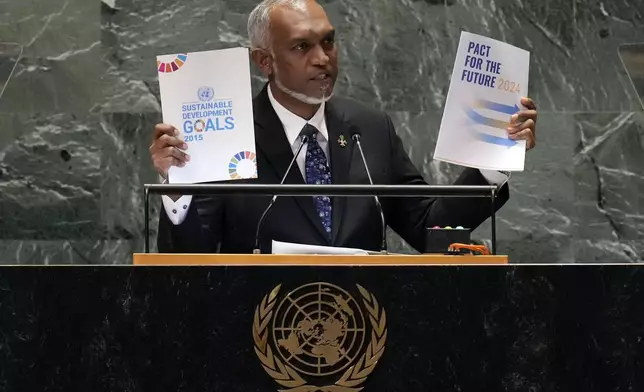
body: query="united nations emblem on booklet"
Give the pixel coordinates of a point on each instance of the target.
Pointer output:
(318, 337)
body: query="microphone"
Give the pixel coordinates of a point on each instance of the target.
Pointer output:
(355, 135)
(306, 134)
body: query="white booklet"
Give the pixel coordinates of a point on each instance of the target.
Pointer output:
(207, 97)
(488, 80)
(291, 248)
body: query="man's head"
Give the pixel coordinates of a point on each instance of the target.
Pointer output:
(293, 44)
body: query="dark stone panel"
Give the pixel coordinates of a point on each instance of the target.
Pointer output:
(600, 250)
(50, 177)
(64, 252)
(60, 71)
(126, 167)
(505, 328)
(68, 178)
(609, 184)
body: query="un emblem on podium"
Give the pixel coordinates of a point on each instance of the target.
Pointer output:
(318, 338)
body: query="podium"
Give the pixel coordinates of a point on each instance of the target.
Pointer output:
(150, 259)
(236, 323)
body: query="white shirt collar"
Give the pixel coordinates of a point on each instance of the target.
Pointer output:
(293, 123)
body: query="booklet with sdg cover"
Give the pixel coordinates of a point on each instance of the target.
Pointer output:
(488, 81)
(207, 97)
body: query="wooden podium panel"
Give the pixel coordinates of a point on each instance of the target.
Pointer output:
(303, 260)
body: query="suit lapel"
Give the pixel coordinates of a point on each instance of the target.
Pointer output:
(272, 141)
(340, 159)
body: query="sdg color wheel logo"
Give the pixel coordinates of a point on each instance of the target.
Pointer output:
(173, 65)
(243, 165)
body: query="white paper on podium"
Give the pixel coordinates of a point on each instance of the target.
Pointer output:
(207, 97)
(488, 80)
(289, 248)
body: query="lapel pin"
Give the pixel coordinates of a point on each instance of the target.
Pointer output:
(342, 141)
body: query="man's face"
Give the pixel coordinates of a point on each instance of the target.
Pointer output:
(303, 48)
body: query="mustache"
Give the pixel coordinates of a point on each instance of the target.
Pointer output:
(322, 75)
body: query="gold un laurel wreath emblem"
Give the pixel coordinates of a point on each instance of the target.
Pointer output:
(319, 330)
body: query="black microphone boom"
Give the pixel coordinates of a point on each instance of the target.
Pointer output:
(304, 139)
(383, 246)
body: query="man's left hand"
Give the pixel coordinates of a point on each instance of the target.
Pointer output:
(523, 124)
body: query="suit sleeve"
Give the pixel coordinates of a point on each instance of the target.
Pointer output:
(410, 216)
(200, 232)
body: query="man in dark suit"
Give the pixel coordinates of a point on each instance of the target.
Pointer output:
(294, 46)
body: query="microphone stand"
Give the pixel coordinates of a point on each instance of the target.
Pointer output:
(304, 139)
(383, 245)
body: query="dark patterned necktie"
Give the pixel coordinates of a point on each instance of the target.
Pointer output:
(318, 172)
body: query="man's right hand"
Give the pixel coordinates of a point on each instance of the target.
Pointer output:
(166, 149)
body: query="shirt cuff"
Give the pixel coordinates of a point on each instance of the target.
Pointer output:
(494, 177)
(177, 210)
